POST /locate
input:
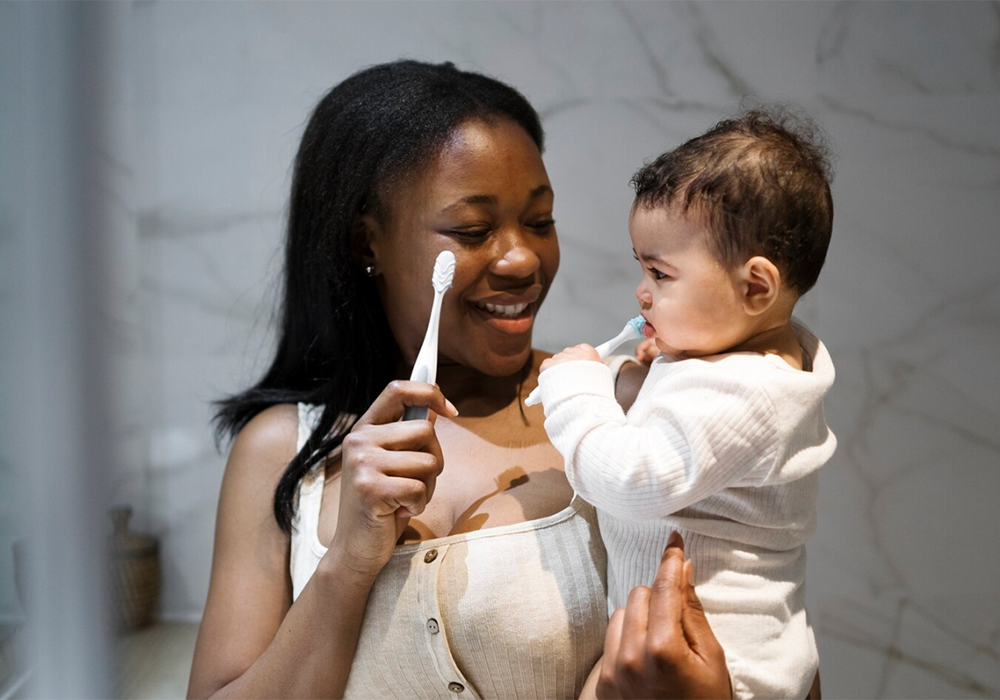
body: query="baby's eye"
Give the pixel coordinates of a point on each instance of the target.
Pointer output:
(657, 275)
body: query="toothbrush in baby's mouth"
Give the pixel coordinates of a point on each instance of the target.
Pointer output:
(425, 367)
(631, 331)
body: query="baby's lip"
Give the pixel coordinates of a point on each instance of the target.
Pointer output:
(648, 330)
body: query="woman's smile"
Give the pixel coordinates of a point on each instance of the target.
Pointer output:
(508, 313)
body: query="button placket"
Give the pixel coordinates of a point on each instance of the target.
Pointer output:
(429, 567)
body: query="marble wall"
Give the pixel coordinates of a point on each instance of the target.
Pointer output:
(210, 100)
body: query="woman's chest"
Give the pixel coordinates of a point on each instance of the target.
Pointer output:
(510, 612)
(483, 485)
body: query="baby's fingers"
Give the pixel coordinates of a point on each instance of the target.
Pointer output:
(646, 351)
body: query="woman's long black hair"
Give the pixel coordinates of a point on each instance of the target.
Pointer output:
(335, 348)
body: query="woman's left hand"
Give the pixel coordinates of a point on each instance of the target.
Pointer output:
(571, 354)
(661, 645)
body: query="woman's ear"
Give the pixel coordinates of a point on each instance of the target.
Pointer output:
(365, 242)
(760, 283)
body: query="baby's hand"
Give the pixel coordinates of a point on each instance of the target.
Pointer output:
(646, 351)
(577, 352)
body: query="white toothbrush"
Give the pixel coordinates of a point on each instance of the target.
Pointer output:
(425, 367)
(631, 331)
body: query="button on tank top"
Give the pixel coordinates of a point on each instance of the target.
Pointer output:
(517, 611)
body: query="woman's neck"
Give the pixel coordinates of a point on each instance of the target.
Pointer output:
(477, 394)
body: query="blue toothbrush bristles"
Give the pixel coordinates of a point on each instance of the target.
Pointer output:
(637, 323)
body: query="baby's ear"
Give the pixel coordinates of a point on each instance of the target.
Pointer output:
(761, 284)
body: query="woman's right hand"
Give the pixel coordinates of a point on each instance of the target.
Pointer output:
(389, 468)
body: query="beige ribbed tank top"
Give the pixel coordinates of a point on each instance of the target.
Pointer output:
(509, 612)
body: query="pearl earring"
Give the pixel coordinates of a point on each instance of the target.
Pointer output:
(370, 270)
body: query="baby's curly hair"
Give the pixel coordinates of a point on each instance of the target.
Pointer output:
(760, 183)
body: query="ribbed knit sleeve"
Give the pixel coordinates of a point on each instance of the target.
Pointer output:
(693, 435)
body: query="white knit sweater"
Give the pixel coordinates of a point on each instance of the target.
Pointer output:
(726, 450)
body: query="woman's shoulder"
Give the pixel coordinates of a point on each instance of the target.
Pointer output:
(266, 444)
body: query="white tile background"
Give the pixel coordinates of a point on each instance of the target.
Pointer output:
(209, 102)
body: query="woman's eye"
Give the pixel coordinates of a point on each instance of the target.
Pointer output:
(542, 226)
(476, 232)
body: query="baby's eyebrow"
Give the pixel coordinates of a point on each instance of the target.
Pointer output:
(650, 258)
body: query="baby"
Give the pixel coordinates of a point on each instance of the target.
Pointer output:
(726, 437)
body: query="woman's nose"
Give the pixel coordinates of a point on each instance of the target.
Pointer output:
(516, 259)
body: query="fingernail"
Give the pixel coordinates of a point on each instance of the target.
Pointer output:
(689, 573)
(451, 406)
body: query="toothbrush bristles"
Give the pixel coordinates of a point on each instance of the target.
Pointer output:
(637, 323)
(444, 271)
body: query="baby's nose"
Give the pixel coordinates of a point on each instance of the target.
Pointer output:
(644, 297)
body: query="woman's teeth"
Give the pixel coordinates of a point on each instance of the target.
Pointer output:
(504, 310)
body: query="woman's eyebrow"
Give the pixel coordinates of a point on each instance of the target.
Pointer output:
(491, 199)
(471, 199)
(539, 191)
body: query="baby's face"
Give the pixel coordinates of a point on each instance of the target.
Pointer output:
(691, 303)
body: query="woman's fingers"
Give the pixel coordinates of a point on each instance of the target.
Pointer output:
(404, 497)
(666, 608)
(661, 645)
(623, 667)
(689, 655)
(381, 476)
(399, 394)
(632, 649)
(607, 681)
(400, 436)
(390, 469)
(697, 631)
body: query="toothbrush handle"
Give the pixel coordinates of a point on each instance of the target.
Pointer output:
(417, 412)
(606, 348)
(533, 398)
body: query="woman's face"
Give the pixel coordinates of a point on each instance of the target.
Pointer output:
(487, 198)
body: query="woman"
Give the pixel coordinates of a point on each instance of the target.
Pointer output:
(357, 554)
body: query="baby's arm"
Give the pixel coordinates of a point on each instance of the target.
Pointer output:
(696, 437)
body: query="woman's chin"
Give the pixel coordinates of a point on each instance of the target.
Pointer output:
(507, 365)
(502, 362)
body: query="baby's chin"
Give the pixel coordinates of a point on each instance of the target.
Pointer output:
(672, 351)
(667, 349)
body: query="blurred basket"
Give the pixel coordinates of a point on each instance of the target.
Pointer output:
(135, 573)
